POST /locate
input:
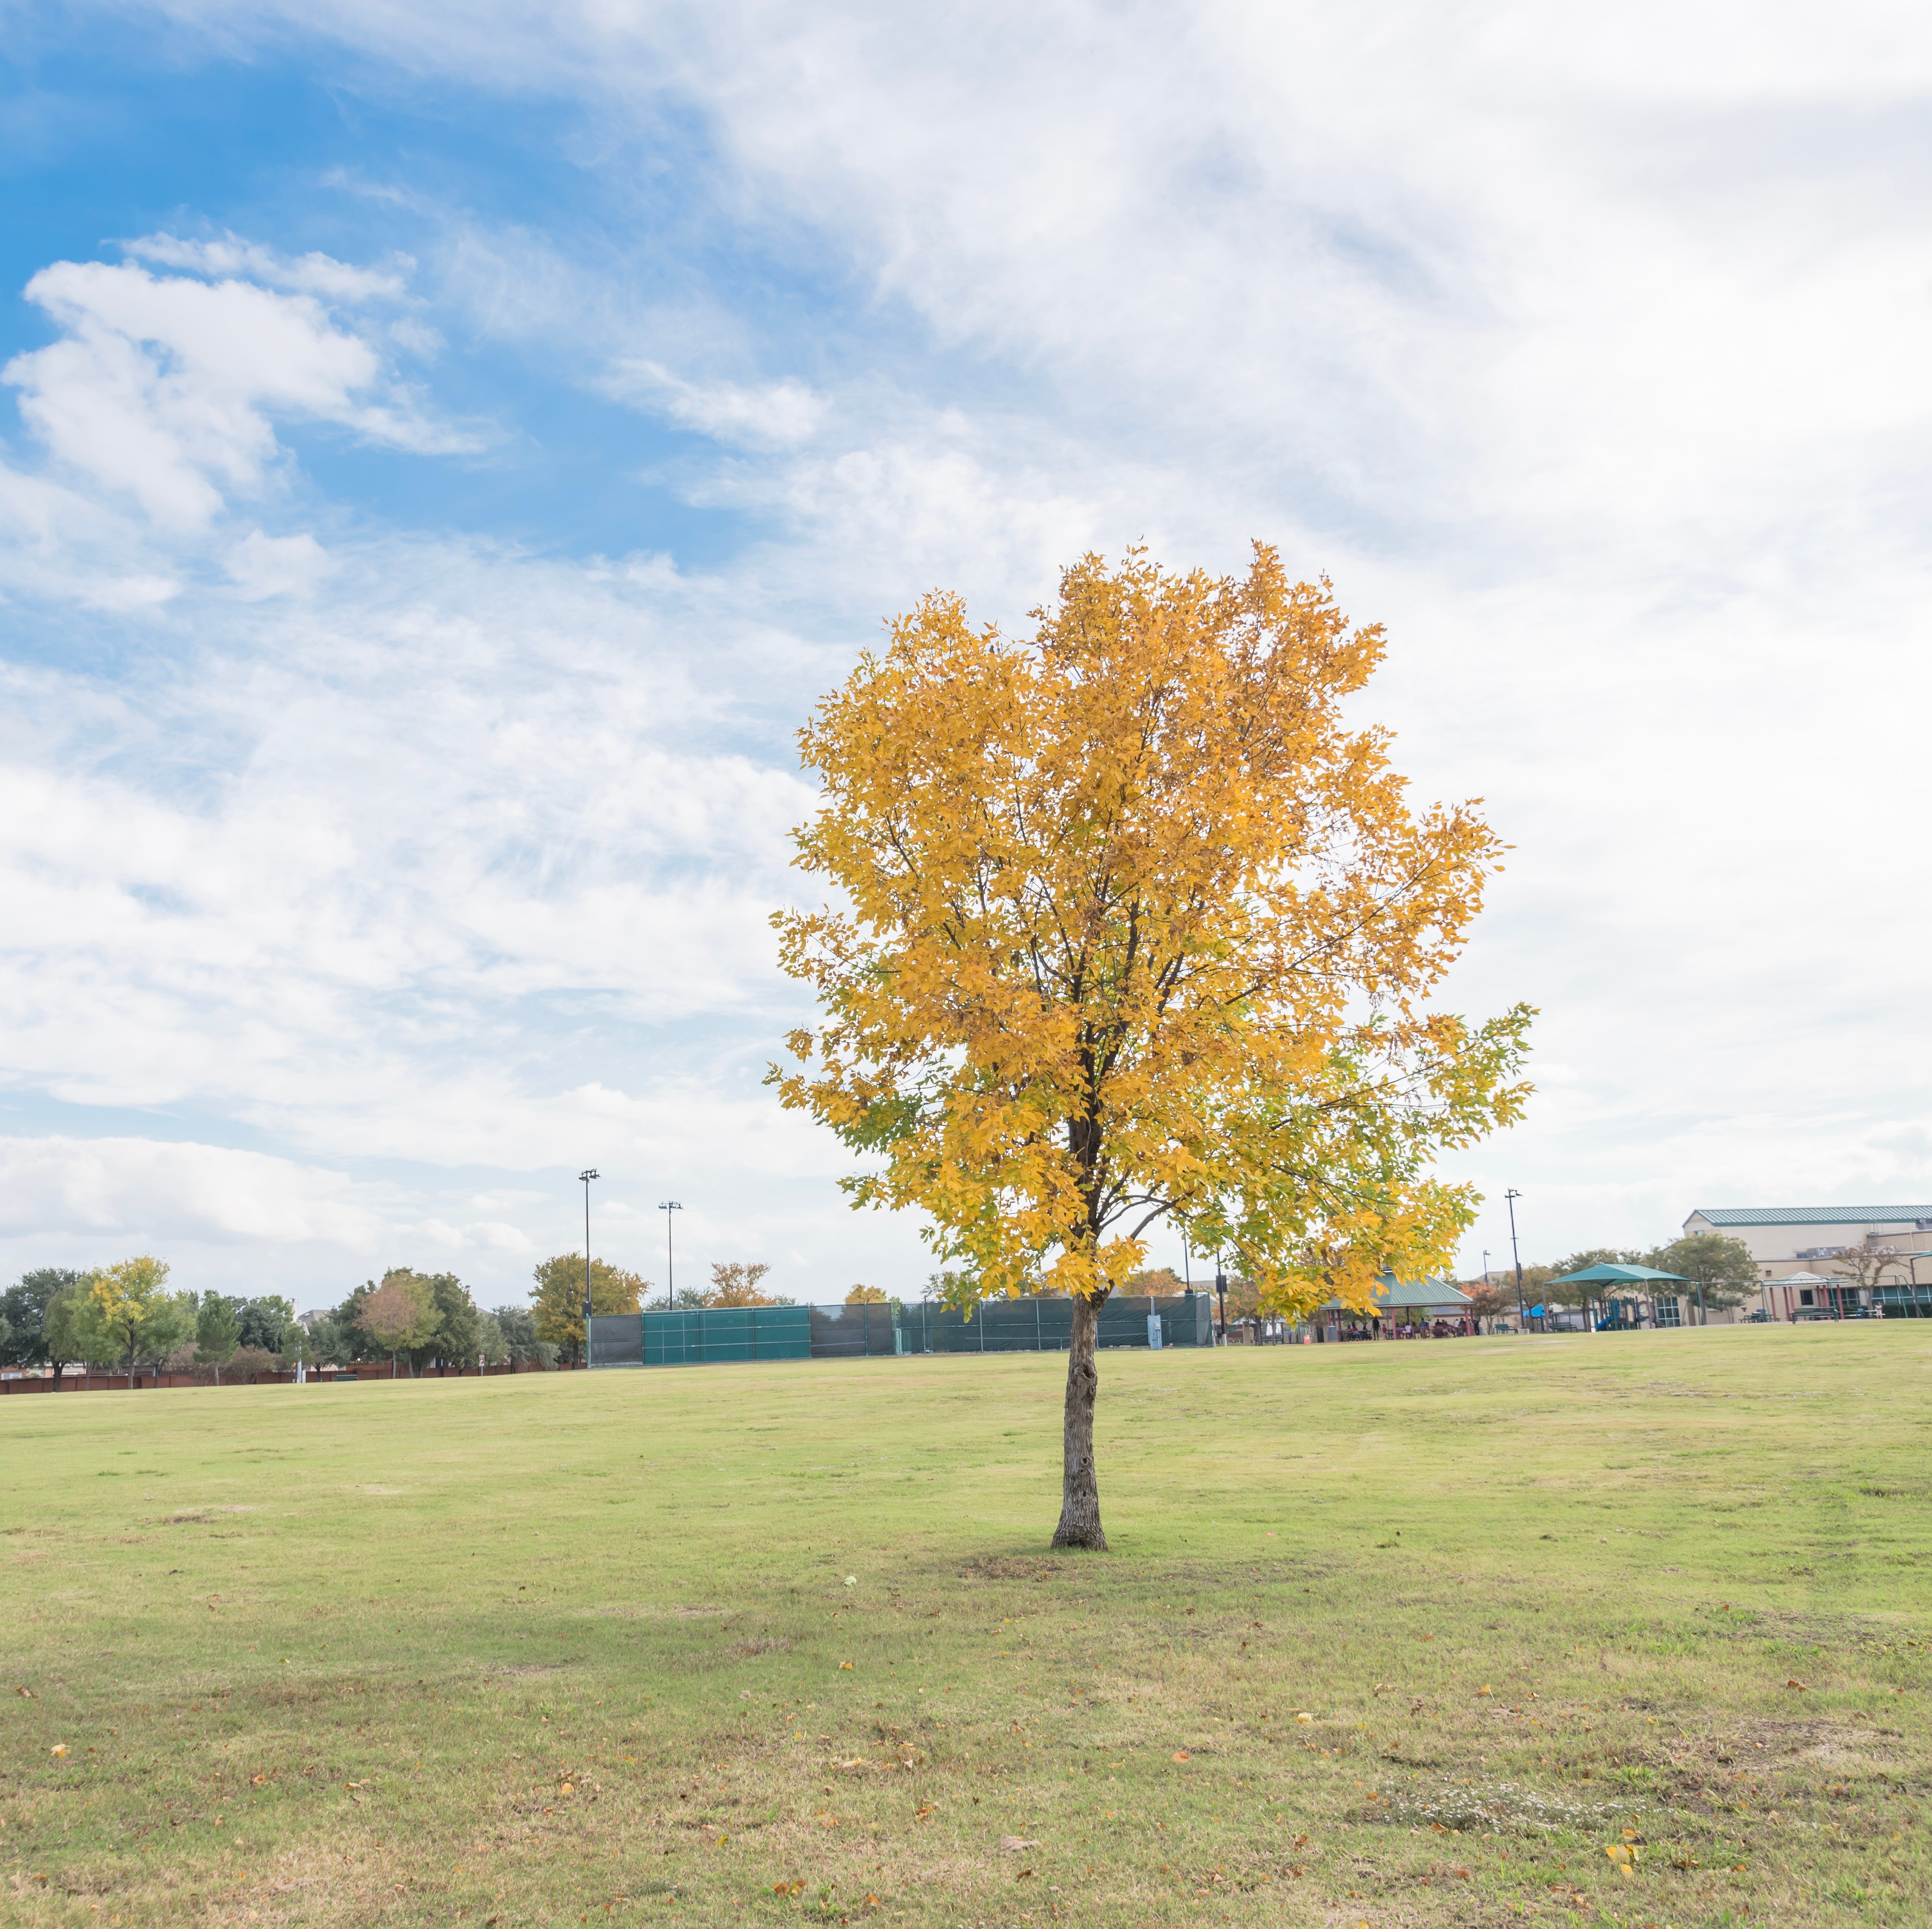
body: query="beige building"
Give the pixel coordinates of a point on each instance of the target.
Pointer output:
(1801, 1250)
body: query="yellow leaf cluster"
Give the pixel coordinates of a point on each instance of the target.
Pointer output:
(1135, 926)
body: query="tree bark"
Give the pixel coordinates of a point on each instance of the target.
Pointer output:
(1080, 1492)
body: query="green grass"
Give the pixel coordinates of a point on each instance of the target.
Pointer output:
(574, 1648)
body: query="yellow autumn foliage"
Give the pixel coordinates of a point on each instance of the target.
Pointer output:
(1136, 927)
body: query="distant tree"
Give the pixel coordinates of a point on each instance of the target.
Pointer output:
(457, 1328)
(66, 1329)
(1244, 1297)
(1486, 1300)
(400, 1314)
(347, 1320)
(1161, 1282)
(265, 1322)
(217, 1332)
(865, 1296)
(24, 1307)
(1865, 1267)
(1720, 1272)
(736, 1283)
(329, 1342)
(518, 1328)
(489, 1341)
(251, 1362)
(129, 1306)
(1535, 1281)
(689, 1299)
(558, 1311)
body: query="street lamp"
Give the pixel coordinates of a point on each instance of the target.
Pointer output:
(585, 1176)
(1521, 1317)
(667, 1207)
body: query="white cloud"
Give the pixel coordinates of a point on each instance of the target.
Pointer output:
(276, 565)
(106, 1190)
(776, 415)
(234, 258)
(167, 389)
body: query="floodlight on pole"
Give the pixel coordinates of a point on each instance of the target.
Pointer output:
(667, 1207)
(584, 1178)
(1512, 1195)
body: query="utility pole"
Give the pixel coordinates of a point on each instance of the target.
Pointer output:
(1512, 1195)
(589, 1173)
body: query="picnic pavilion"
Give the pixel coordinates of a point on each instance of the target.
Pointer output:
(1404, 1309)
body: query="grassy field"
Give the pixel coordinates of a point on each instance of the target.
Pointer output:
(1622, 1629)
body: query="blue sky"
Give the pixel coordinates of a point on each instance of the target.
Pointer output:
(443, 455)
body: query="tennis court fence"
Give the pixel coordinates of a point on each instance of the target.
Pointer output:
(680, 1338)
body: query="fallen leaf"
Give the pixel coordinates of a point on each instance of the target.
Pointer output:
(1304, 1718)
(1180, 1754)
(844, 1664)
(1798, 1685)
(1011, 1845)
(60, 1748)
(1022, 1876)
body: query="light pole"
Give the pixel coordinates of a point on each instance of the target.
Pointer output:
(667, 1207)
(589, 1173)
(1512, 1195)
(1221, 1293)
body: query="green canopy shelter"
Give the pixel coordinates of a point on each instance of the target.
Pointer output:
(1610, 1275)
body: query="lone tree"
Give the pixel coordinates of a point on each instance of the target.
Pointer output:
(1138, 929)
(1720, 1270)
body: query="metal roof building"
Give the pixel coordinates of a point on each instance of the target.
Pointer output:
(1789, 1241)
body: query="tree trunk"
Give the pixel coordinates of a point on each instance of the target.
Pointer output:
(1080, 1493)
